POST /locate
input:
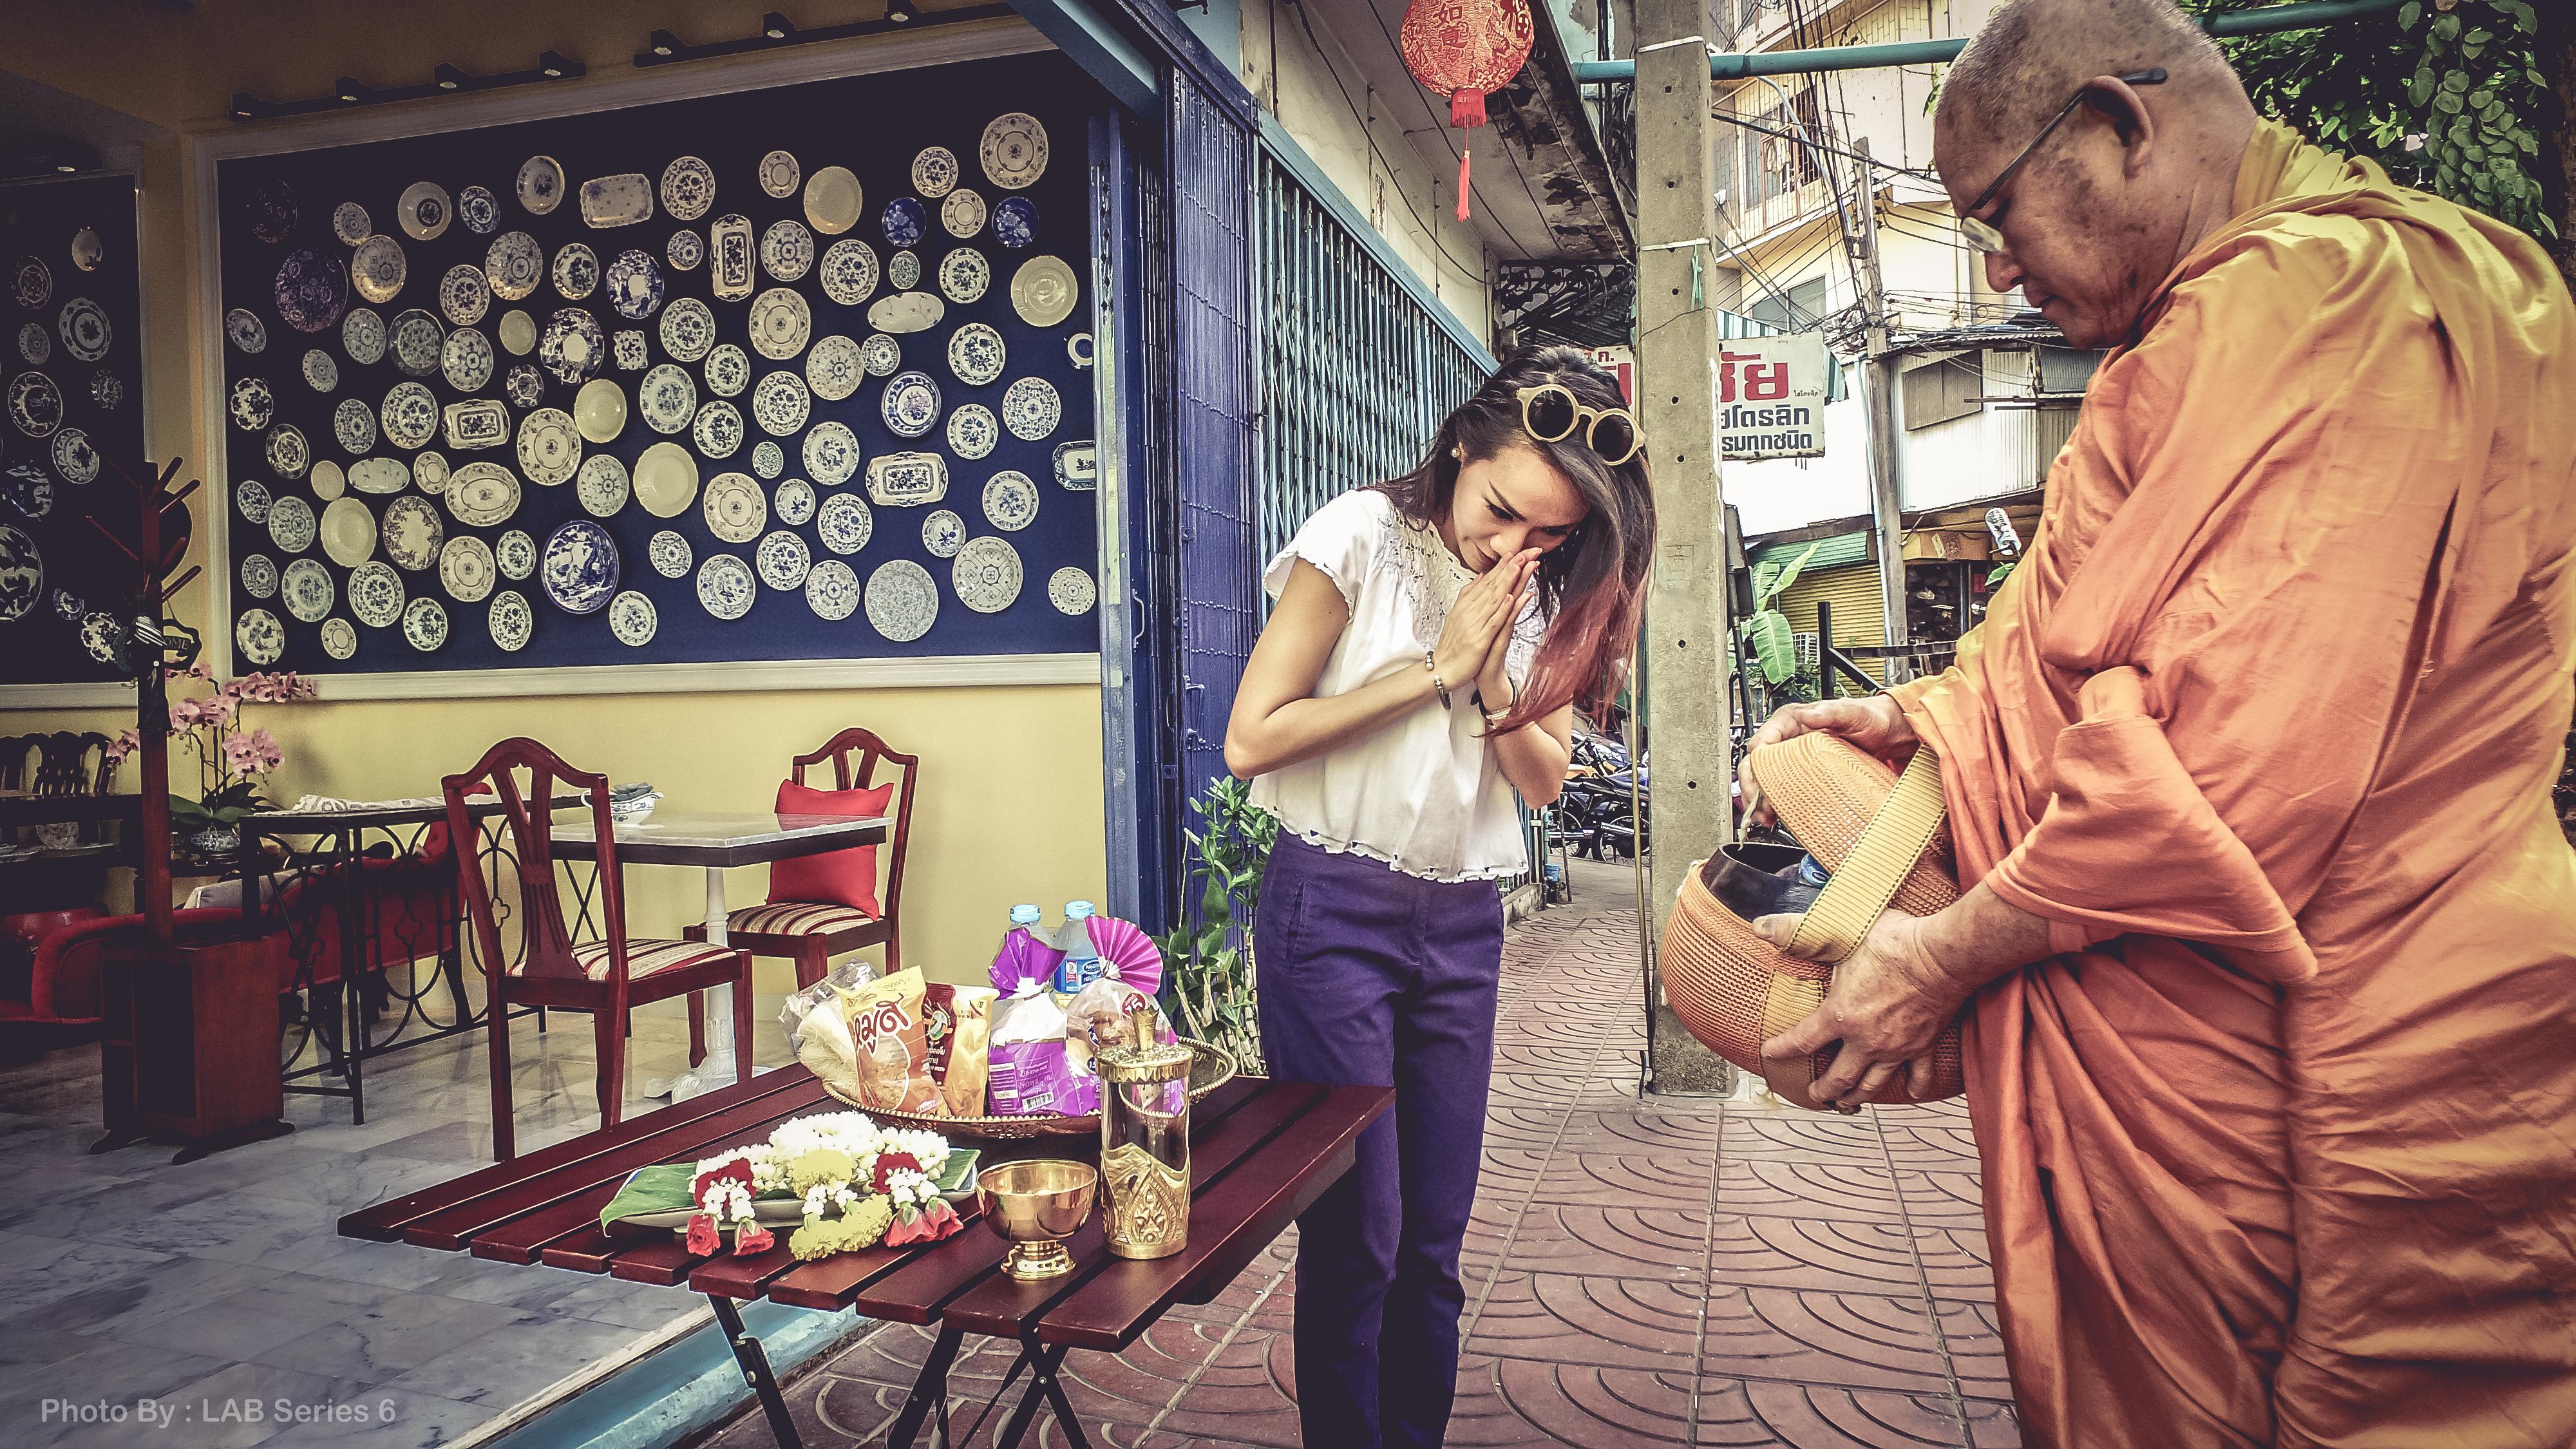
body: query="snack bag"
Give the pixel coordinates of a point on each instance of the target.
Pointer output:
(1098, 1017)
(853, 972)
(892, 1059)
(822, 1040)
(1029, 1072)
(960, 1026)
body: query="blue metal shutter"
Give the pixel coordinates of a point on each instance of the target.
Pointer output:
(1219, 590)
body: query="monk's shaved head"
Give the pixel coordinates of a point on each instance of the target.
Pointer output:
(2107, 202)
(2031, 55)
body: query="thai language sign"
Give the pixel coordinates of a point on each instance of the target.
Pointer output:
(1771, 397)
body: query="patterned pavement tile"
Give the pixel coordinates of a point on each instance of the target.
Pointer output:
(1640, 1178)
(1835, 1191)
(1606, 1322)
(1737, 1413)
(1860, 1340)
(1770, 1252)
(1615, 1241)
(1956, 1263)
(1950, 1147)
(1993, 1426)
(1789, 1135)
(1976, 1344)
(1246, 1393)
(1515, 1402)
(1666, 1132)
(1946, 1199)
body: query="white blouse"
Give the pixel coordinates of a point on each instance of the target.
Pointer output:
(1423, 793)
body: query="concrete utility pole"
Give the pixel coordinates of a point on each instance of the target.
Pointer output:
(1686, 624)
(1878, 381)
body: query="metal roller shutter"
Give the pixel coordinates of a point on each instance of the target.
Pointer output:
(1859, 615)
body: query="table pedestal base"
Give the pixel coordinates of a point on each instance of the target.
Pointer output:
(720, 1067)
(929, 1396)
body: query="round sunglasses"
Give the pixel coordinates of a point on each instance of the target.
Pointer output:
(1551, 413)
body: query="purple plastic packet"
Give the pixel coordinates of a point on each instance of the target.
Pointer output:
(1037, 1078)
(1023, 957)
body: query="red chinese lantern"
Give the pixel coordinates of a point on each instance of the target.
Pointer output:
(1467, 48)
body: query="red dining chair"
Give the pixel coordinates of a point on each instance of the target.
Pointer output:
(811, 933)
(607, 977)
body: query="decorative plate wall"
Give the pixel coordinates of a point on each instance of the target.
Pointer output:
(71, 398)
(512, 317)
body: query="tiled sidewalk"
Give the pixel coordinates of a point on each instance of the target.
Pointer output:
(1639, 1272)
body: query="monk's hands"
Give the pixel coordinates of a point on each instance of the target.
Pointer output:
(1874, 726)
(1889, 1001)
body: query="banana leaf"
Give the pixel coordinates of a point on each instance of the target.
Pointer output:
(1775, 645)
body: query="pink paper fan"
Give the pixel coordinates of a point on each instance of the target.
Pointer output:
(1130, 955)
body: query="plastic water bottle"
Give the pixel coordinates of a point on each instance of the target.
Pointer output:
(1081, 965)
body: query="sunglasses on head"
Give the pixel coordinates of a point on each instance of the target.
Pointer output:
(1550, 413)
(1981, 233)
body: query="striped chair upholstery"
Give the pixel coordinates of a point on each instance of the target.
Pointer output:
(795, 918)
(644, 957)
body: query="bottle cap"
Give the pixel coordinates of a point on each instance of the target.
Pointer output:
(1026, 915)
(1077, 910)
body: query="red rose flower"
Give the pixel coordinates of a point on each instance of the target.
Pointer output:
(738, 1170)
(889, 1163)
(752, 1238)
(704, 1240)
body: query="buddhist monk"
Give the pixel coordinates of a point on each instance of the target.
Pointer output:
(2268, 956)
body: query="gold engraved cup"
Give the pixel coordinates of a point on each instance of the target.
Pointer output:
(1035, 1206)
(1145, 1148)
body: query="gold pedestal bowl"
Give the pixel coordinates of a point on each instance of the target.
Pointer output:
(1034, 1206)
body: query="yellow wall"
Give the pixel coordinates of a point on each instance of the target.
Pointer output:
(1011, 804)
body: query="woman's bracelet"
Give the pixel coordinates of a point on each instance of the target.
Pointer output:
(1436, 686)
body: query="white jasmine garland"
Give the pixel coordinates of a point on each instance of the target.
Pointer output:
(853, 1133)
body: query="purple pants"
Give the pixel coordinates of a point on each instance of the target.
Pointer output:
(1370, 977)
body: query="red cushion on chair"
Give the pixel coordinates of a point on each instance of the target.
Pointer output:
(841, 877)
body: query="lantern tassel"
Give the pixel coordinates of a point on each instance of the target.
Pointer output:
(1466, 112)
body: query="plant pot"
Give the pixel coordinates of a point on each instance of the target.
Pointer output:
(213, 842)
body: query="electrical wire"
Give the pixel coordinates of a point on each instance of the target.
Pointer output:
(1476, 272)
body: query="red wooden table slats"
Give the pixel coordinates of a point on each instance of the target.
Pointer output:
(385, 1221)
(1004, 1307)
(1262, 1151)
(1115, 1304)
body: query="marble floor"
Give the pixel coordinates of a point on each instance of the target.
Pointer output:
(217, 1289)
(1639, 1271)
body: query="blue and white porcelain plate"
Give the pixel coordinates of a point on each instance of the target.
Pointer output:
(986, 575)
(253, 404)
(688, 329)
(783, 560)
(417, 339)
(902, 601)
(1015, 223)
(831, 453)
(728, 371)
(516, 553)
(312, 290)
(965, 276)
(903, 222)
(464, 294)
(257, 633)
(717, 429)
(849, 271)
(409, 413)
(100, 636)
(576, 272)
(768, 460)
(524, 385)
(22, 574)
(668, 399)
(881, 354)
(580, 567)
(291, 524)
(511, 620)
(305, 588)
(376, 594)
(911, 405)
(793, 502)
(1072, 591)
(688, 188)
(686, 251)
(903, 270)
(244, 330)
(726, 587)
(787, 250)
(250, 496)
(1011, 500)
(1031, 409)
(835, 367)
(362, 336)
(412, 533)
(35, 404)
(976, 355)
(781, 404)
(75, 457)
(86, 331)
(287, 453)
(962, 213)
(934, 172)
(424, 624)
(321, 370)
(631, 620)
(258, 576)
(973, 431)
(540, 185)
(832, 590)
(734, 508)
(634, 283)
(513, 265)
(943, 533)
(845, 523)
(670, 555)
(26, 488)
(478, 210)
(1014, 150)
(572, 347)
(339, 638)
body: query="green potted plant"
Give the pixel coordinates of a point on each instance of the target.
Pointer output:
(1208, 977)
(233, 760)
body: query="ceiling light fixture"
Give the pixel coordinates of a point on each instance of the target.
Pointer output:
(445, 80)
(777, 26)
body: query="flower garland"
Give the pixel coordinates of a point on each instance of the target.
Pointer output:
(860, 1183)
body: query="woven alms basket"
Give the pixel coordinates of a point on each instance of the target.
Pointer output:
(1880, 834)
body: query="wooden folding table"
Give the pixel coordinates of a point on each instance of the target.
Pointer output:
(1262, 1151)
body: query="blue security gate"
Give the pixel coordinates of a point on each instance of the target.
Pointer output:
(1356, 370)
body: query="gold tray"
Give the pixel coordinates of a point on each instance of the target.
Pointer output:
(1212, 1067)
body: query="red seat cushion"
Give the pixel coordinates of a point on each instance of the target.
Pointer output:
(841, 877)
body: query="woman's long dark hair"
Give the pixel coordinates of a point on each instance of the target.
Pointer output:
(1591, 587)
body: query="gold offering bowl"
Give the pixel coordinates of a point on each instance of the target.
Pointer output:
(1035, 1206)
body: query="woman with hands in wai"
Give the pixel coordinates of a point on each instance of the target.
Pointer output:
(1430, 641)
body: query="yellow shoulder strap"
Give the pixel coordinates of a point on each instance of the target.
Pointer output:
(1877, 865)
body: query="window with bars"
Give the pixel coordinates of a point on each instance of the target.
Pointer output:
(1787, 162)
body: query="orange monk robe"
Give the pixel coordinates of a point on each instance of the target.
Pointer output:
(2283, 1149)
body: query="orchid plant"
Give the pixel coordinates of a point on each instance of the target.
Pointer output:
(233, 760)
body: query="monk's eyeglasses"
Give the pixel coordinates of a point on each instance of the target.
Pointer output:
(1980, 233)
